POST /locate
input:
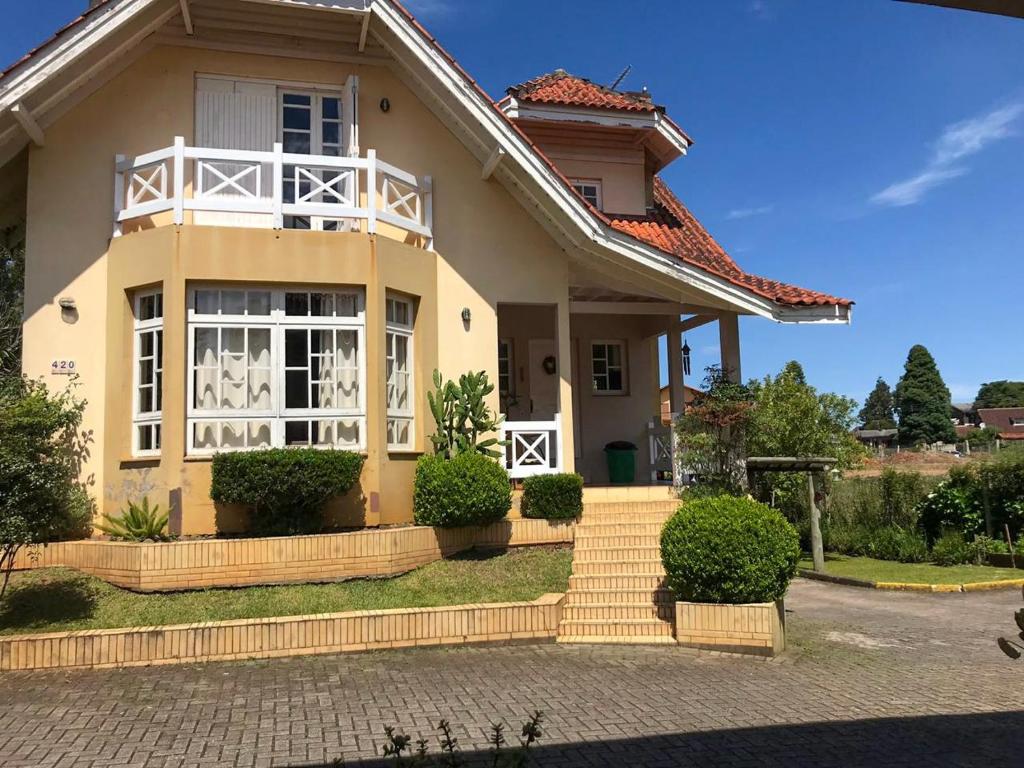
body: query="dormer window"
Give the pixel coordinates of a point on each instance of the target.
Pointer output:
(590, 190)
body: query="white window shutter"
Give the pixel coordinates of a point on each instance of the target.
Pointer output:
(236, 115)
(350, 115)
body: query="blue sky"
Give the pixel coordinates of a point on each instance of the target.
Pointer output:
(867, 148)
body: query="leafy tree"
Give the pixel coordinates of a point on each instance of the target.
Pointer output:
(923, 402)
(791, 418)
(712, 432)
(1000, 394)
(12, 299)
(878, 411)
(41, 450)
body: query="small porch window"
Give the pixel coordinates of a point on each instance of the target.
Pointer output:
(148, 373)
(590, 190)
(608, 367)
(399, 373)
(505, 367)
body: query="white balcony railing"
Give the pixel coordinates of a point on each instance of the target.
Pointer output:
(268, 188)
(534, 447)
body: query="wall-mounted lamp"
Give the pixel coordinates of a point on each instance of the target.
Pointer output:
(68, 310)
(466, 315)
(385, 105)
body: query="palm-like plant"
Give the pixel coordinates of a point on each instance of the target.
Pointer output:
(137, 523)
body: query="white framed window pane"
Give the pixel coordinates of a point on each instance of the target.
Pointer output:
(207, 302)
(258, 303)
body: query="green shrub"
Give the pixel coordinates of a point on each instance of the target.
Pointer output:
(137, 523)
(1001, 481)
(983, 546)
(897, 544)
(892, 499)
(952, 549)
(285, 489)
(41, 450)
(954, 505)
(553, 497)
(729, 550)
(468, 489)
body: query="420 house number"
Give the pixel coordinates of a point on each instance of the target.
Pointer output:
(62, 367)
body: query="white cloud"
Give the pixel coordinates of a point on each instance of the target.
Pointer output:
(746, 213)
(957, 142)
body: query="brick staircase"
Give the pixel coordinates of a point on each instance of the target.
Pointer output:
(616, 591)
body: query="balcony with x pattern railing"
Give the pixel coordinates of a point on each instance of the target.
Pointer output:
(272, 189)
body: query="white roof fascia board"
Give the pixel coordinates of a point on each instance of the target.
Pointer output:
(357, 7)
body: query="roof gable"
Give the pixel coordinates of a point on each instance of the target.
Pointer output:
(559, 87)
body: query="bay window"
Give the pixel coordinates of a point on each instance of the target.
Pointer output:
(147, 390)
(398, 341)
(275, 367)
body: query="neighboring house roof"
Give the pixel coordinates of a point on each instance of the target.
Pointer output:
(559, 87)
(963, 407)
(678, 235)
(1001, 7)
(673, 229)
(1003, 419)
(874, 434)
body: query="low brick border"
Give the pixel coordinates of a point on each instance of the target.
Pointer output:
(284, 636)
(757, 629)
(206, 563)
(899, 586)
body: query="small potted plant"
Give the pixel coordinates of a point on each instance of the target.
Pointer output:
(729, 562)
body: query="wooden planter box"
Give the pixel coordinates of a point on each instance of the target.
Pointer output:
(753, 628)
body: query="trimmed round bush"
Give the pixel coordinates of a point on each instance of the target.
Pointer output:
(951, 548)
(285, 489)
(553, 497)
(729, 550)
(468, 489)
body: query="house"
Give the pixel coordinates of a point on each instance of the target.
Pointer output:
(260, 223)
(689, 395)
(965, 418)
(877, 438)
(1009, 421)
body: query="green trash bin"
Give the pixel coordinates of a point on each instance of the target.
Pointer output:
(621, 462)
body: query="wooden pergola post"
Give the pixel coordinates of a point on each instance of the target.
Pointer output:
(817, 549)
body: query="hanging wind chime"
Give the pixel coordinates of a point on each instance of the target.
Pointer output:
(686, 358)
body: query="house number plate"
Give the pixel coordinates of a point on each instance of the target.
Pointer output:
(62, 367)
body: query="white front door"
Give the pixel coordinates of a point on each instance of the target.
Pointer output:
(543, 384)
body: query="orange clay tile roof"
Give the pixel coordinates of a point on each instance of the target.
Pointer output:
(673, 229)
(559, 87)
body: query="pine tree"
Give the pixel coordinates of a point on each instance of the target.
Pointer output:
(1000, 394)
(922, 401)
(878, 412)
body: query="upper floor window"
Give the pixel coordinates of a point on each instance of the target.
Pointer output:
(590, 190)
(608, 361)
(398, 342)
(274, 367)
(148, 373)
(1017, 422)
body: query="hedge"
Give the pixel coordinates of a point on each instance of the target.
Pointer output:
(286, 489)
(729, 550)
(468, 489)
(553, 497)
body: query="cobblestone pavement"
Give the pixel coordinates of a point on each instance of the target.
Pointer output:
(872, 678)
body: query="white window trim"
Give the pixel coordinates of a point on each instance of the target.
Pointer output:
(141, 327)
(596, 183)
(277, 322)
(405, 330)
(511, 368)
(624, 367)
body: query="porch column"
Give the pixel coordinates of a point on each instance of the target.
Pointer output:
(675, 369)
(563, 344)
(729, 343)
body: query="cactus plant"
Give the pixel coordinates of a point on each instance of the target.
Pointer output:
(462, 416)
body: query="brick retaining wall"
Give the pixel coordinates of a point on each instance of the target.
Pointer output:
(285, 636)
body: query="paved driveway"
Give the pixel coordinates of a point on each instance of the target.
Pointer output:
(873, 678)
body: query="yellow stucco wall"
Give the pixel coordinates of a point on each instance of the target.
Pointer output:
(489, 251)
(621, 172)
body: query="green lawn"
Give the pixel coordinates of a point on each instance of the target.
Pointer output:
(869, 569)
(60, 599)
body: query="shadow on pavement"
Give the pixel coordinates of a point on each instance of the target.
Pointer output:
(994, 739)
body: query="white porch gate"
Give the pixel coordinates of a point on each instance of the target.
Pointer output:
(534, 447)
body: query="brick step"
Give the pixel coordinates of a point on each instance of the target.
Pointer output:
(632, 611)
(616, 507)
(597, 640)
(590, 515)
(617, 581)
(622, 554)
(617, 568)
(586, 597)
(615, 628)
(589, 542)
(587, 530)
